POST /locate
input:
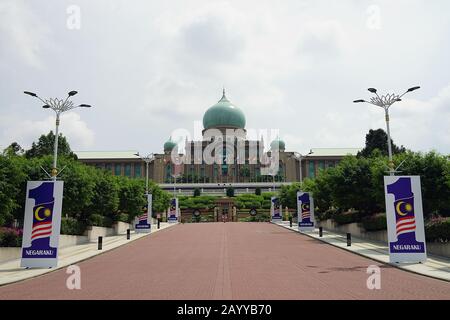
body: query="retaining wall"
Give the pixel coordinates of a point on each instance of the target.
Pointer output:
(434, 248)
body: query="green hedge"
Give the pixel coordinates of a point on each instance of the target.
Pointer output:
(123, 217)
(375, 223)
(72, 226)
(438, 230)
(328, 214)
(346, 217)
(97, 220)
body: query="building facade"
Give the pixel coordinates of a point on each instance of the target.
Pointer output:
(233, 159)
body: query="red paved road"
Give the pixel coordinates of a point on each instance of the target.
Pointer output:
(228, 261)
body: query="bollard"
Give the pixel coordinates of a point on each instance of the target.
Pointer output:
(159, 221)
(290, 222)
(349, 239)
(100, 242)
(320, 232)
(128, 234)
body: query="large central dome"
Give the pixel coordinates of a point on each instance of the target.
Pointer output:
(224, 115)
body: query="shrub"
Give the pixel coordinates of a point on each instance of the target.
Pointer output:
(328, 214)
(375, 223)
(10, 237)
(98, 220)
(197, 192)
(72, 226)
(123, 217)
(438, 230)
(266, 204)
(258, 191)
(230, 192)
(346, 217)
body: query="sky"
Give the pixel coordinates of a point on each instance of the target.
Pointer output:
(150, 68)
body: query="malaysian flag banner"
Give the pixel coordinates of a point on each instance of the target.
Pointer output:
(42, 223)
(275, 209)
(305, 211)
(404, 215)
(143, 224)
(172, 214)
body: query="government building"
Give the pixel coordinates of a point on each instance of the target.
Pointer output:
(236, 159)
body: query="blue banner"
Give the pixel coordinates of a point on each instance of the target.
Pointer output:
(405, 219)
(305, 211)
(42, 223)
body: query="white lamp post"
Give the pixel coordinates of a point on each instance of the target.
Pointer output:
(300, 157)
(59, 106)
(147, 159)
(385, 102)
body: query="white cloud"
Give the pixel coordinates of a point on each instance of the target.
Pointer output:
(24, 132)
(22, 33)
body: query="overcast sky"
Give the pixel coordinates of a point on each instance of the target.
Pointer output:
(150, 67)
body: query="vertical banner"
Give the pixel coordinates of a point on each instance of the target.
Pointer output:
(305, 211)
(173, 211)
(404, 215)
(275, 209)
(144, 220)
(42, 223)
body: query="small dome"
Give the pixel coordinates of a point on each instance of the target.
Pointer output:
(169, 145)
(278, 144)
(224, 114)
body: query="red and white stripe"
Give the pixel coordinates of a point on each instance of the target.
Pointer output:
(405, 225)
(41, 230)
(305, 215)
(143, 217)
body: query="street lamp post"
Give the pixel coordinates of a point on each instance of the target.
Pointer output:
(386, 102)
(59, 106)
(300, 157)
(175, 176)
(147, 159)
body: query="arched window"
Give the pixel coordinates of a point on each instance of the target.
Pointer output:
(168, 173)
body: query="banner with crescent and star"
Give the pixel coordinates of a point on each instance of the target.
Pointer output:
(143, 224)
(275, 209)
(404, 215)
(305, 211)
(172, 215)
(42, 224)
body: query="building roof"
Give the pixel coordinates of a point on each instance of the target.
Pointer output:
(93, 155)
(224, 114)
(337, 152)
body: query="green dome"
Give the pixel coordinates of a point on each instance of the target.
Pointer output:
(169, 145)
(278, 144)
(224, 114)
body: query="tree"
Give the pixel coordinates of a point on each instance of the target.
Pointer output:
(45, 145)
(11, 177)
(14, 149)
(197, 192)
(161, 198)
(288, 195)
(105, 200)
(377, 140)
(131, 195)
